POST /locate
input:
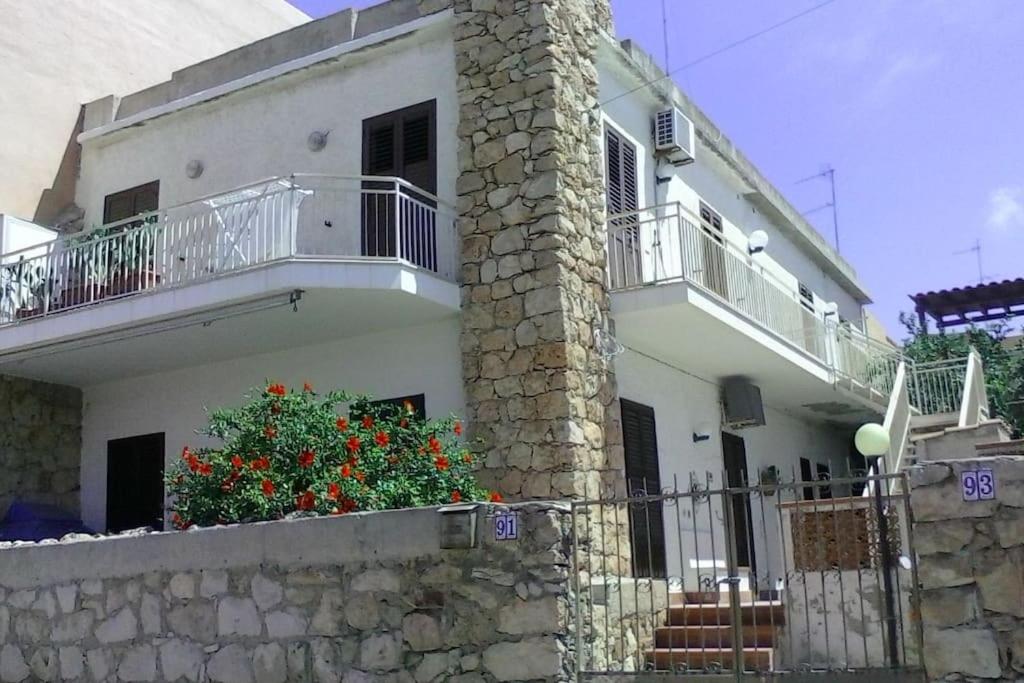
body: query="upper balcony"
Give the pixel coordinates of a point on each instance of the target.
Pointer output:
(354, 254)
(689, 296)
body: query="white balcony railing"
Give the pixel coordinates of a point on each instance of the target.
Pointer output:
(280, 218)
(664, 244)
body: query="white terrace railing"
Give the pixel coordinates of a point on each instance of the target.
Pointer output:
(938, 387)
(664, 244)
(303, 215)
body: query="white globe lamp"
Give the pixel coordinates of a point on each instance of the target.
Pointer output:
(871, 440)
(757, 241)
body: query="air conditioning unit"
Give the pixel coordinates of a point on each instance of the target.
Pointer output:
(742, 404)
(674, 137)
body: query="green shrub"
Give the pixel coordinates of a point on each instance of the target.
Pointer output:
(294, 453)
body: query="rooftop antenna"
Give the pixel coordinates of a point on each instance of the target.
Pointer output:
(976, 249)
(664, 35)
(829, 173)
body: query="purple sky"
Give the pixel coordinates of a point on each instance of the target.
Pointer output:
(919, 106)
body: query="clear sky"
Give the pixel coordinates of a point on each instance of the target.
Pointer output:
(917, 104)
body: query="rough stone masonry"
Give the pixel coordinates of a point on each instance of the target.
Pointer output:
(971, 565)
(530, 206)
(364, 597)
(40, 440)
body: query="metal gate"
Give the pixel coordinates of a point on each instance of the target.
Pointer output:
(830, 593)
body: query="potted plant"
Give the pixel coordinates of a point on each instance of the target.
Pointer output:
(30, 288)
(133, 260)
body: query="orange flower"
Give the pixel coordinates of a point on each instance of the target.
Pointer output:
(403, 423)
(382, 439)
(237, 462)
(441, 463)
(277, 389)
(467, 458)
(307, 387)
(333, 491)
(270, 431)
(205, 469)
(186, 454)
(347, 505)
(409, 407)
(434, 445)
(367, 422)
(458, 428)
(495, 497)
(456, 497)
(260, 463)
(306, 501)
(306, 458)
(268, 488)
(360, 476)
(180, 523)
(352, 444)
(346, 471)
(342, 424)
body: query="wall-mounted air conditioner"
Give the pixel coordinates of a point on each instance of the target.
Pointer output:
(674, 137)
(742, 404)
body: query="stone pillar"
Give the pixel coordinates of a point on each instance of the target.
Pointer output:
(531, 217)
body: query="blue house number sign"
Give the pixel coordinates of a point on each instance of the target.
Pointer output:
(506, 526)
(978, 485)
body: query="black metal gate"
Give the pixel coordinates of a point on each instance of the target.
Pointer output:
(830, 595)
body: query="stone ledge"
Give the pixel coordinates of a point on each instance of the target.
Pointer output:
(369, 537)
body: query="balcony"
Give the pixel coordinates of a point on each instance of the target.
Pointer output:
(694, 299)
(336, 246)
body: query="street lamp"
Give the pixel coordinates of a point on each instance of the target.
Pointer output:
(756, 242)
(872, 441)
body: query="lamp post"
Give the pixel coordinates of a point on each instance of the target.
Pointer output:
(872, 441)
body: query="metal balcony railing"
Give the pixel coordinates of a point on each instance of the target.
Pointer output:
(303, 215)
(664, 244)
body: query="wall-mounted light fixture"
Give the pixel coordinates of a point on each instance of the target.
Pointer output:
(701, 432)
(317, 140)
(757, 241)
(194, 169)
(831, 309)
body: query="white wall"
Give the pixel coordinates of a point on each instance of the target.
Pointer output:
(399, 363)
(58, 54)
(684, 404)
(262, 131)
(709, 179)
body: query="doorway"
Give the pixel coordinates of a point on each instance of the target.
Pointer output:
(643, 477)
(135, 483)
(734, 453)
(400, 221)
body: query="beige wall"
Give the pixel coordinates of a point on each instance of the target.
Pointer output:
(59, 54)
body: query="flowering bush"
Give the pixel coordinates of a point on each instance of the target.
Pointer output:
(287, 452)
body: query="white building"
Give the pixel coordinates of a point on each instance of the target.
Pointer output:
(305, 200)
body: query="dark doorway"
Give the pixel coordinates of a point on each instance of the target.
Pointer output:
(807, 474)
(824, 474)
(734, 452)
(643, 477)
(131, 202)
(135, 482)
(401, 144)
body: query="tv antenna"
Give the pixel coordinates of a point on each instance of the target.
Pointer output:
(976, 250)
(664, 34)
(829, 173)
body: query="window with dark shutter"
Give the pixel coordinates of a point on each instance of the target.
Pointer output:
(128, 203)
(643, 476)
(621, 174)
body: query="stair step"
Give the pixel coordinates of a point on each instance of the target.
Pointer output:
(707, 598)
(718, 636)
(754, 659)
(761, 612)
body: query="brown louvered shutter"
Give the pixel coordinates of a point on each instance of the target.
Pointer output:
(621, 174)
(643, 476)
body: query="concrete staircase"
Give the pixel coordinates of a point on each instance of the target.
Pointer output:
(698, 634)
(938, 439)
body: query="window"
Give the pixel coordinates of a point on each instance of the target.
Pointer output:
(807, 474)
(806, 297)
(418, 401)
(643, 476)
(714, 275)
(620, 173)
(131, 202)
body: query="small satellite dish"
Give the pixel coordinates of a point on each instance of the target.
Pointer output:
(194, 169)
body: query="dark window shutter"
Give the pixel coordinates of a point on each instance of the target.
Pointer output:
(621, 174)
(380, 150)
(416, 139)
(643, 476)
(131, 202)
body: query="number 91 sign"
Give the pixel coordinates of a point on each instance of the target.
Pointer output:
(978, 485)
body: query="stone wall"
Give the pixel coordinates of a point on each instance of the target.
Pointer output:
(971, 565)
(40, 443)
(530, 201)
(365, 597)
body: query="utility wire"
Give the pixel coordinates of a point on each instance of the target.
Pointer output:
(724, 48)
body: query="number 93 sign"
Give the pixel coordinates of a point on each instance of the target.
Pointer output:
(978, 485)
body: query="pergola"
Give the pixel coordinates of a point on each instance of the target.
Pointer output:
(967, 305)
